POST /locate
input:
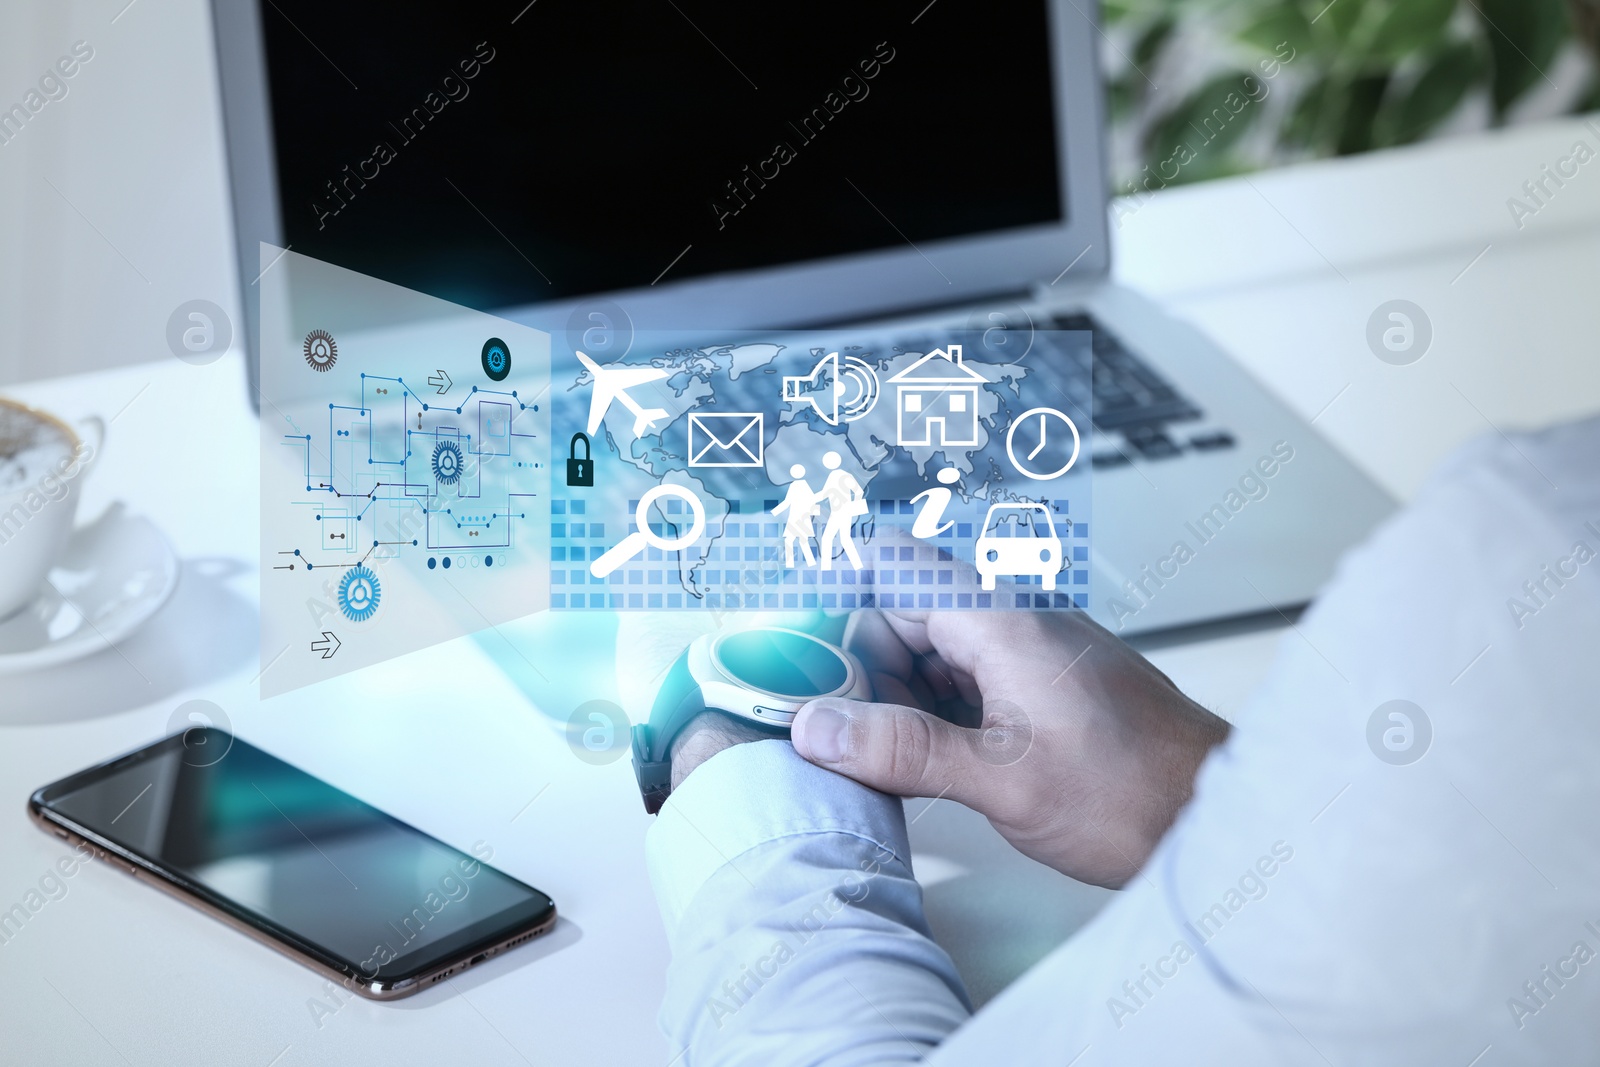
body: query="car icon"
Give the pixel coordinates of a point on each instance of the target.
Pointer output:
(1026, 551)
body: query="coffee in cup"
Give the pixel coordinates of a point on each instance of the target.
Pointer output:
(42, 461)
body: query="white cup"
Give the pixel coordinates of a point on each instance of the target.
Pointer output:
(36, 518)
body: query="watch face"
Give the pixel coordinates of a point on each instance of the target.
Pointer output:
(782, 662)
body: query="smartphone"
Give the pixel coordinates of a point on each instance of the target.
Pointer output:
(356, 895)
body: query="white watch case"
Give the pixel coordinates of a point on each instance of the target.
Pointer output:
(722, 691)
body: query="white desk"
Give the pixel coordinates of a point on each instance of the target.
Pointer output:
(117, 973)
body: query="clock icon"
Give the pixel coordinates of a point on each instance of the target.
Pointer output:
(1042, 444)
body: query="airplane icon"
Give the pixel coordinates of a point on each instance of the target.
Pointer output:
(613, 384)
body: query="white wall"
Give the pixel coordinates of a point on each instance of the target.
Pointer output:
(135, 147)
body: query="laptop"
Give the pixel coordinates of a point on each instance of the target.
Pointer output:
(914, 169)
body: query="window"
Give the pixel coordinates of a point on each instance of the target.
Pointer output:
(958, 401)
(913, 401)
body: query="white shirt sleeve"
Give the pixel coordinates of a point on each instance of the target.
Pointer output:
(796, 926)
(1333, 897)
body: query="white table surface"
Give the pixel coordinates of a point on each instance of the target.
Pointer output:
(117, 973)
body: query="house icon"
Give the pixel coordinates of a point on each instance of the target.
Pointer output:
(936, 401)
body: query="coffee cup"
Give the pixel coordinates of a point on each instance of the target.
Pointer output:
(42, 464)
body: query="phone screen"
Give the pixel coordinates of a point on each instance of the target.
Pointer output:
(292, 853)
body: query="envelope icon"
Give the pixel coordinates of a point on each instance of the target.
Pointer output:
(727, 439)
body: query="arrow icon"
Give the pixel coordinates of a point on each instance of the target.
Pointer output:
(327, 646)
(440, 381)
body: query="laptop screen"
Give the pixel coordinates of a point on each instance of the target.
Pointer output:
(511, 153)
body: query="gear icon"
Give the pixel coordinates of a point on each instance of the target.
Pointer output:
(447, 462)
(359, 593)
(496, 359)
(321, 352)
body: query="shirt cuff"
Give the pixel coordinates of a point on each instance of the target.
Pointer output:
(747, 795)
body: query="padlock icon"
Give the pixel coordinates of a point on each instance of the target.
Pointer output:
(580, 471)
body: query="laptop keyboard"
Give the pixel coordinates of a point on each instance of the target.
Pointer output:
(1133, 399)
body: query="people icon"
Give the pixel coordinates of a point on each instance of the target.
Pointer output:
(930, 520)
(846, 500)
(802, 505)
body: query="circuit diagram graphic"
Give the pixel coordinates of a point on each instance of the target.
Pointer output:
(404, 488)
(396, 472)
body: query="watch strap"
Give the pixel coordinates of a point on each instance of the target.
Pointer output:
(677, 702)
(655, 776)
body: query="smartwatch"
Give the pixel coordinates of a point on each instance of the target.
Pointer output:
(761, 676)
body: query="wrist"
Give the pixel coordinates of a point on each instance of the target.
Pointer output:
(707, 734)
(1168, 785)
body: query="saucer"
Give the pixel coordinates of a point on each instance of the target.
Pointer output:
(115, 573)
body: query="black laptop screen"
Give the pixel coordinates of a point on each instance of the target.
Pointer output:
(505, 153)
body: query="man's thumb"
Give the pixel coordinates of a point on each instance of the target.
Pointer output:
(889, 747)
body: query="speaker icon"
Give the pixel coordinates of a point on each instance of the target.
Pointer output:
(836, 389)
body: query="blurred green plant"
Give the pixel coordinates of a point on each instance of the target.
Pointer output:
(1366, 73)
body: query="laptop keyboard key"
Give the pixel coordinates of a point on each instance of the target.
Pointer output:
(1152, 443)
(1128, 393)
(1107, 460)
(1212, 442)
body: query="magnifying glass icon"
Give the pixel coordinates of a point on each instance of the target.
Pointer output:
(635, 542)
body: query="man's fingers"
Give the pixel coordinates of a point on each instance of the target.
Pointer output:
(889, 747)
(913, 633)
(946, 681)
(887, 689)
(887, 645)
(871, 638)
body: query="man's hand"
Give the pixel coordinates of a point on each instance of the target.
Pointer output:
(1085, 753)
